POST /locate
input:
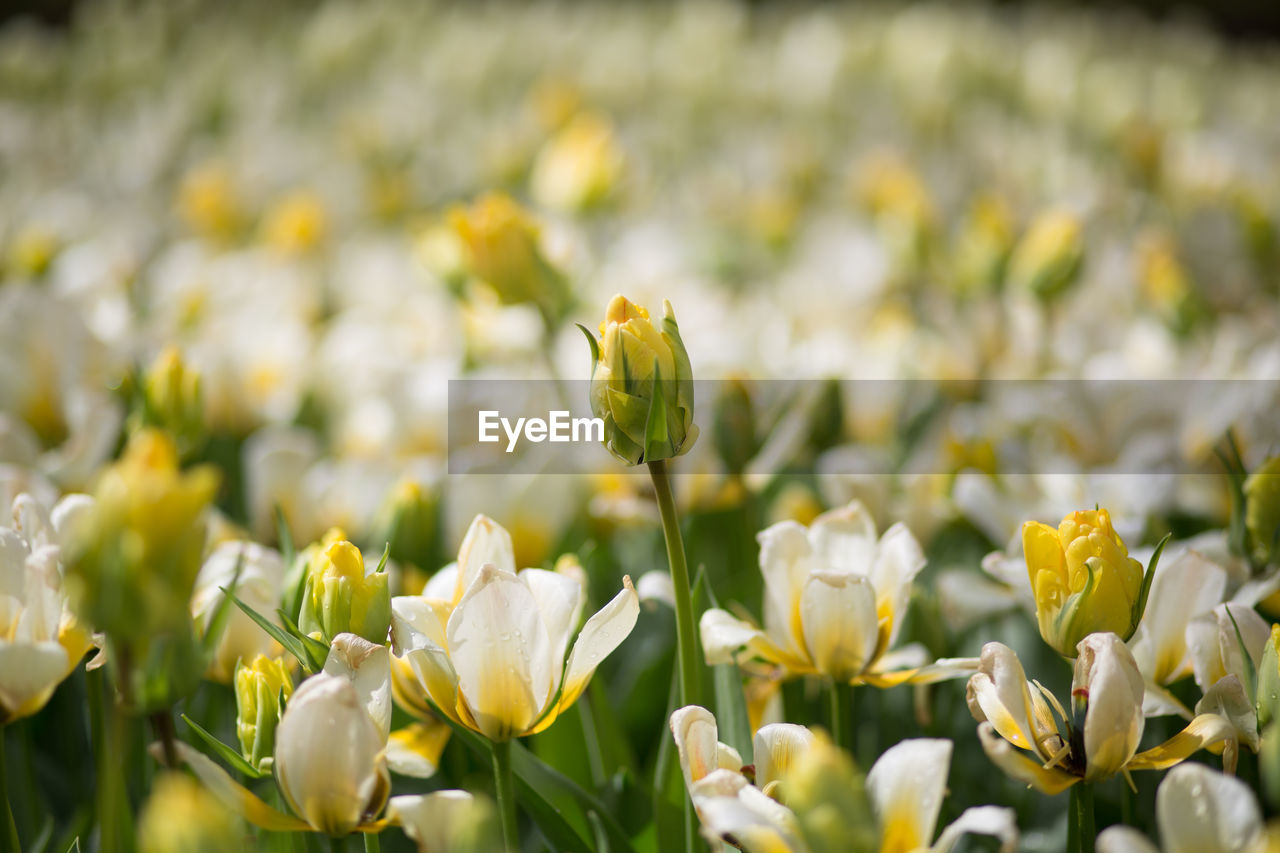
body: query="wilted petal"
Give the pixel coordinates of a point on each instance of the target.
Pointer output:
(1113, 722)
(501, 652)
(696, 737)
(840, 626)
(1021, 767)
(907, 784)
(368, 667)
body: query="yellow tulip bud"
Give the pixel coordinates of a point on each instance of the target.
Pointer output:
(829, 798)
(340, 598)
(502, 248)
(1083, 579)
(1048, 258)
(260, 686)
(180, 816)
(642, 384)
(172, 399)
(579, 166)
(141, 549)
(1262, 509)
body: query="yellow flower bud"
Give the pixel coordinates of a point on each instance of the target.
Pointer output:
(141, 550)
(172, 399)
(259, 688)
(1083, 579)
(829, 798)
(1048, 258)
(502, 248)
(1262, 509)
(642, 384)
(180, 816)
(340, 598)
(579, 166)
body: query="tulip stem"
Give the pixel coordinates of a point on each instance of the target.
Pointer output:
(1080, 827)
(10, 827)
(505, 792)
(337, 845)
(162, 725)
(839, 695)
(687, 655)
(371, 844)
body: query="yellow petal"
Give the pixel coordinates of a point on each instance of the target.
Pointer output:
(1203, 731)
(1019, 766)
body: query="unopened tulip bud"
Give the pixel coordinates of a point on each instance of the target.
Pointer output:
(829, 798)
(260, 688)
(1083, 579)
(1048, 258)
(1262, 510)
(340, 598)
(502, 247)
(642, 384)
(172, 399)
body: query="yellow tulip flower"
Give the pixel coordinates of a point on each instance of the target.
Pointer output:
(1083, 579)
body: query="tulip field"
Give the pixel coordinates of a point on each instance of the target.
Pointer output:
(638, 428)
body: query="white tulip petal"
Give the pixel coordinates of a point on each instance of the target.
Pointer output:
(603, 633)
(906, 785)
(415, 749)
(502, 654)
(1184, 588)
(723, 634)
(1000, 694)
(840, 626)
(1113, 722)
(775, 747)
(786, 559)
(695, 733)
(443, 584)
(29, 672)
(329, 756)
(560, 601)
(1229, 700)
(70, 516)
(844, 540)
(1199, 809)
(1124, 839)
(417, 622)
(899, 558)
(487, 543)
(433, 821)
(1253, 632)
(368, 667)
(994, 821)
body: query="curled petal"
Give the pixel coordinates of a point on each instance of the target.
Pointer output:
(1019, 766)
(695, 733)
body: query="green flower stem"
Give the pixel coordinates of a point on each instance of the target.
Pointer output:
(1080, 827)
(506, 794)
(371, 844)
(162, 725)
(839, 696)
(337, 845)
(10, 828)
(686, 654)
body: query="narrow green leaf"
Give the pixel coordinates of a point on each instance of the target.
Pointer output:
(317, 652)
(1140, 606)
(221, 613)
(595, 346)
(290, 644)
(598, 830)
(226, 753)
(1250, 670)
(382, 563)
(283, 536)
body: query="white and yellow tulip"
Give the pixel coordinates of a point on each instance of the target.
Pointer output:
(487, 644)
(906, 786)
(258, 574)
(1198, 810)
(40, 640)
(728, 803)
(1022, 735)
(834, 601)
